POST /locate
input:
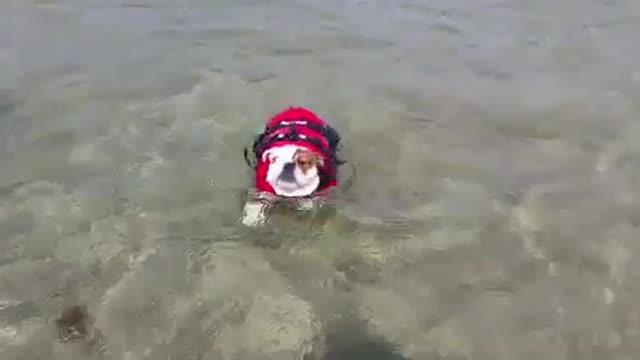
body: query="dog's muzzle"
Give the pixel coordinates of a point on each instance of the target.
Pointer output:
(287, 174)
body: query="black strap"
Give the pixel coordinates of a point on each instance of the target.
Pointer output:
(324, 178)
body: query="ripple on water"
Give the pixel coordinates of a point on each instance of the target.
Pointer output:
(495, 213)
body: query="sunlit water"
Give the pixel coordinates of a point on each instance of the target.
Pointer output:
(494, 213)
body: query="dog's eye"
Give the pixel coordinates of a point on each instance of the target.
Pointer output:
(304, 162)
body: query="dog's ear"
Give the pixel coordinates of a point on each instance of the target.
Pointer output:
(317, 159)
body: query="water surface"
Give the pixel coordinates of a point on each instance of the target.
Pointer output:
(494, 214)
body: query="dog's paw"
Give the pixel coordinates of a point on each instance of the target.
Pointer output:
(305, 204)
(254, 214)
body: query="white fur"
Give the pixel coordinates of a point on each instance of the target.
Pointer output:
(306, 184)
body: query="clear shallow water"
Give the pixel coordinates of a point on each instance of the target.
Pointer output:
(494, 214)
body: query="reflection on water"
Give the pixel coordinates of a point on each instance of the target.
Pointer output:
(494, 213)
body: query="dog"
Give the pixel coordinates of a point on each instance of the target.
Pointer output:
(295, 159)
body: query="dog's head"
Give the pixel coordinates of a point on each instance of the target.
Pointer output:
(302, 171)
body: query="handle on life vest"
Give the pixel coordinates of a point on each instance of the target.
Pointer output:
(257, 139)
(246, 158)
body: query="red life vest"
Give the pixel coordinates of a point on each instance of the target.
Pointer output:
(301, 127)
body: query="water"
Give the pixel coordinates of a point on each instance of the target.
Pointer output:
(494, 214)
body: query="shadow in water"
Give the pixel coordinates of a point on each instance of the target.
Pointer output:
(352, 341)
(8, 102)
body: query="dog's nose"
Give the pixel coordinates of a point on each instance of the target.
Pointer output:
(287, 172)
(288, 167)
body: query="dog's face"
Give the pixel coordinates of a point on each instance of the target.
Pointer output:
(302, 170)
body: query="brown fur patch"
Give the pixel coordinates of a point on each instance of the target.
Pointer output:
(307, 160)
